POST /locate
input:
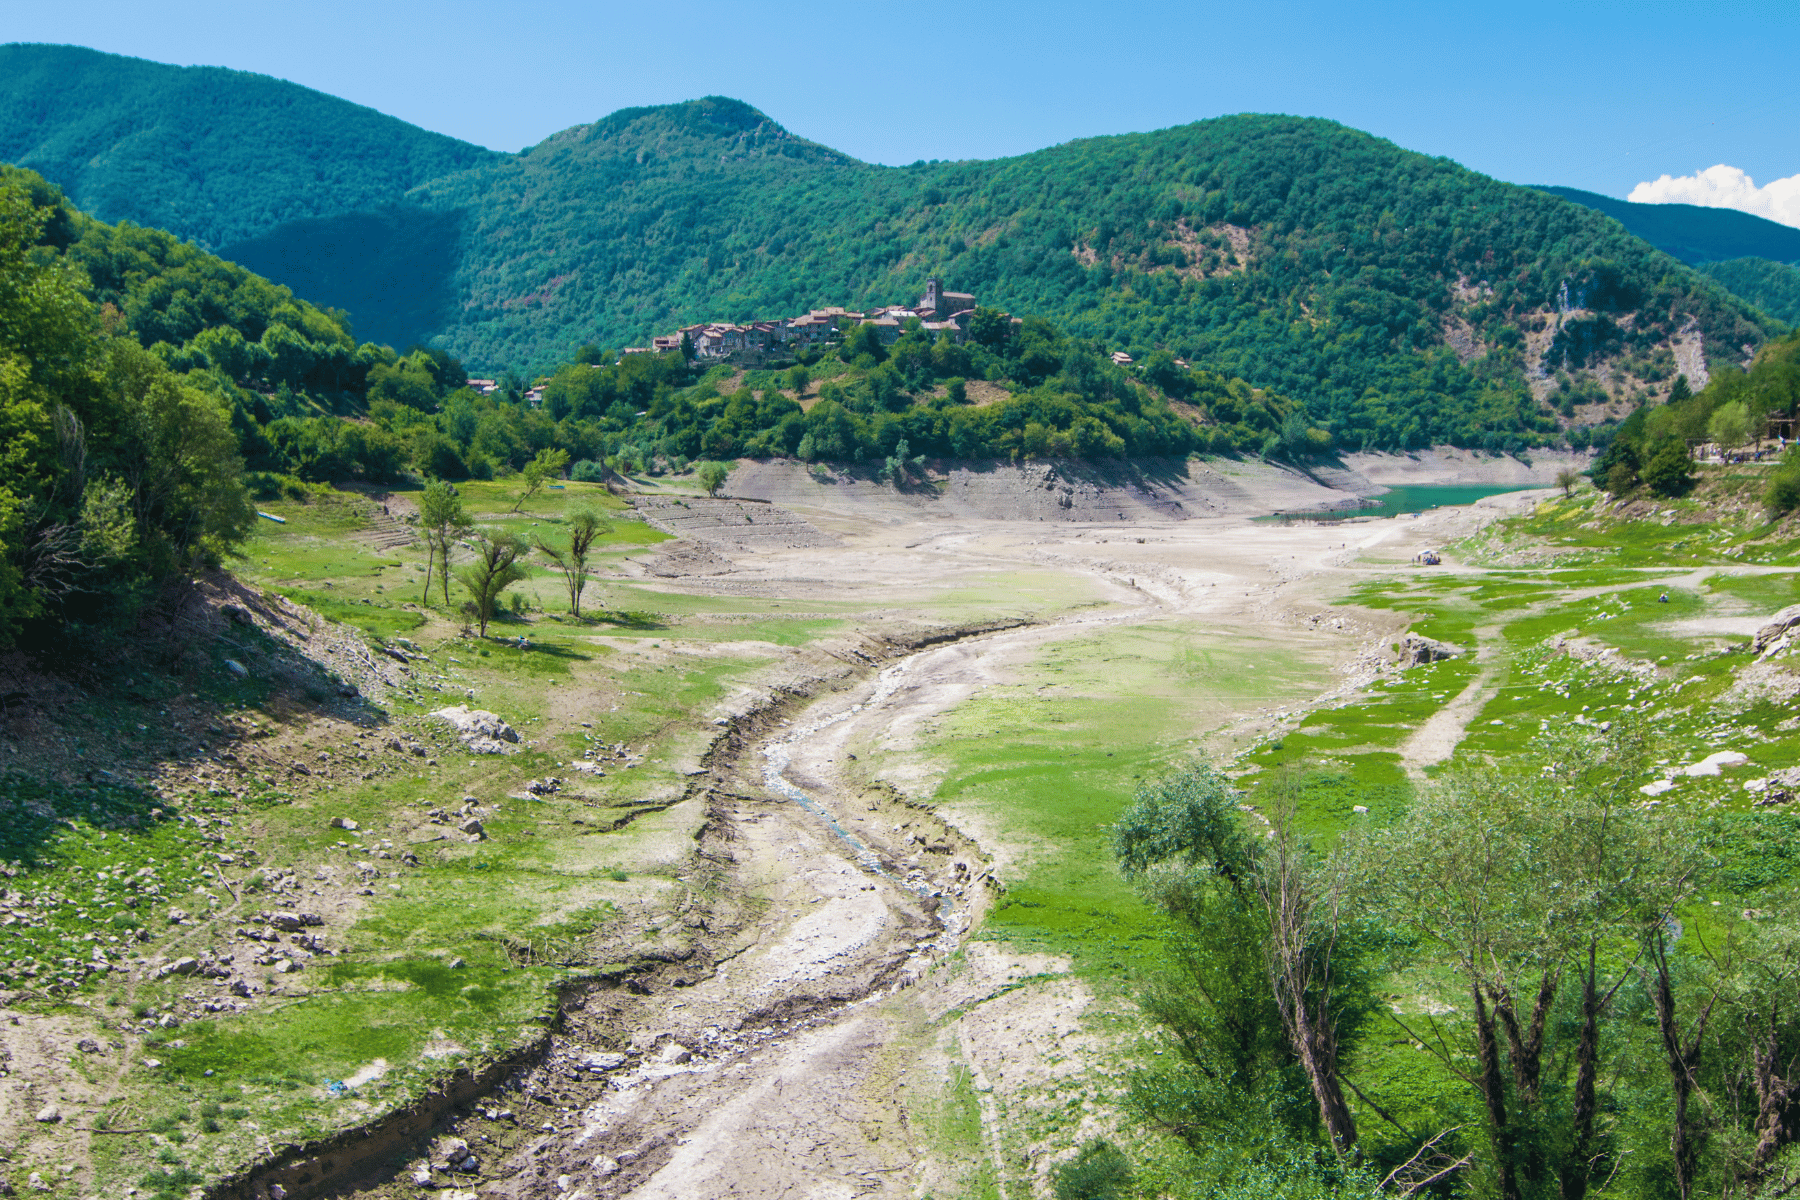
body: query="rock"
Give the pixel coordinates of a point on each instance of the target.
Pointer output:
(1775, 630)
(344, 823)
(49, 1114)
(153, 1063)
(236, 614)
(1416, 650)
(448, 1151)
(1658, 787)
(674, 1052)
(88, 1046)
(482, 732)
(1711, 763)
(285, 920)
(237, 669)
(277, 1192)
(185, 966)
(1361, 808)
(241, 987)
(604, 1060)
(37, 1182)
(472, 826)
(458, 963)
(605, 1166)
(421, 1177)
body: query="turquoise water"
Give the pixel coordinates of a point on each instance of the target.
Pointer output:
(1399, 500)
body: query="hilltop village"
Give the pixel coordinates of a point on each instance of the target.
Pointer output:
(938, 311)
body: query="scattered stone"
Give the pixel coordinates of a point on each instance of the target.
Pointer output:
(458, 963)
(482, 732)
(182, 966)
(606, 1166)
(237, 669)
(1658, 787)
(421, 1177)
(1361, 808)
(472, 826)
(674, 1053)
(344, 823)
(236, 614)
(153, 1063)
(49, 1114)
(88, 1046)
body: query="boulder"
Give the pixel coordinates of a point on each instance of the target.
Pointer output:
(673, 1053)
(603, 1060)
(236, 614)
(1416, 650)
(604, 1166)
(344, 823)
(482, 732)
(49, 1114)
(1711, 764)
(472, 826)
(237, 669)
(1770, 637)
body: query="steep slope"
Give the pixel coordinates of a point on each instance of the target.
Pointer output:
(1693, 233)
(206, 153)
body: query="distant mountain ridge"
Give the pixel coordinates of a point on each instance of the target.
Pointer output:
(1693, 233)
(1401, 298)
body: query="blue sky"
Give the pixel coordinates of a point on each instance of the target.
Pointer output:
(1598, 96)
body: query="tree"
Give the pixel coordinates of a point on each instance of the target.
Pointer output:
(1528, 882)
(1729, 425)
(544, 467)
(1668, 469)
(711, 476)
(442, 520)
(585, 526)
(1182, 840)
(496, 568)
(1566, 479)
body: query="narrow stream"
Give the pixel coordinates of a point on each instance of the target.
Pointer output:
(778, 756)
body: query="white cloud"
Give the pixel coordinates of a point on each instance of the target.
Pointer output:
(1726, 187)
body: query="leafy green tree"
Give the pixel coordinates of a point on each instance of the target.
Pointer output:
(1566, 479)
(1669, 471)
(1729, 425)
(712, 475)
(496, 567)
(442, 521)
(1182, 840)
(544, 466)
(1098, 1172)
(989, 327)
(585, 527)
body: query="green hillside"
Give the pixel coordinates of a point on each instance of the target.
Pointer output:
(1693, 233)
(206, 153)
(1400, 299)
(1773, 287)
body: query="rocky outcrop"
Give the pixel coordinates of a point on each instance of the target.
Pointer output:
(1778, 633)
(482, 732)
(1416, 650)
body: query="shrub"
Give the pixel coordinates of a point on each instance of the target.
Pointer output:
(587, 471)
(1099, 1172)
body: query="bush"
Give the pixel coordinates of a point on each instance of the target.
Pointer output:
(1099, 1172)
(587, 471)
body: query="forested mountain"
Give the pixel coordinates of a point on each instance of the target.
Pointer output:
(211, 154)
(1399, 299)
(1773, 287)
(1694, 233)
